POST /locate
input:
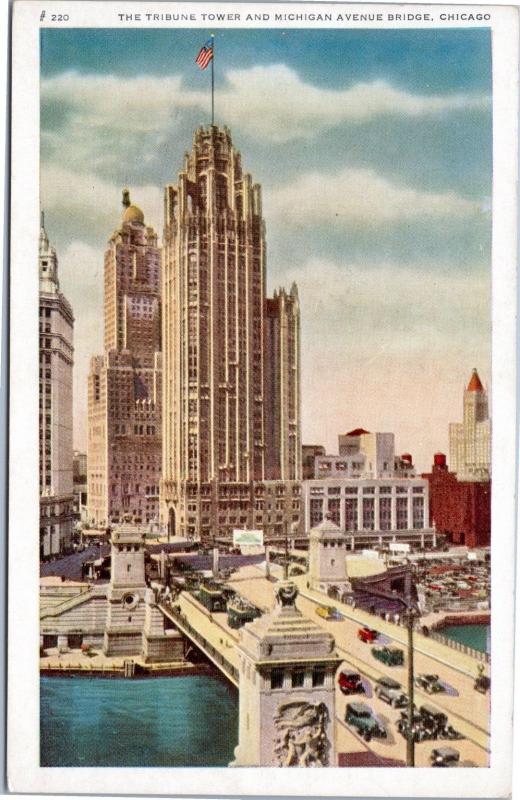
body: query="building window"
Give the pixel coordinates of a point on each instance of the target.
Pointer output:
(418, 512)
(385, 513)
(368, 514)
(297, 678)
(316, 512)
(401, 513)
(276, 678)
(318, 676)
(351, 513)
(334, 510)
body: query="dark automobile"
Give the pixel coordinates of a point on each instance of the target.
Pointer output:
(482, 684)
(418, 730)
(444, 757)
(367, 635)
(391, 656)
(391, 692)
(430, 683)
(350, 682)
(360, 717)
(432, 718)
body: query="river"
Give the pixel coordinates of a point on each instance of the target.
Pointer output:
(476, 636)
(184, 721)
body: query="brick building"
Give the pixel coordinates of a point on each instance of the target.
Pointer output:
(460, 509)
(124, 385)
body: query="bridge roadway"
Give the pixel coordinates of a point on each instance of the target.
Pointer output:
(467, 710)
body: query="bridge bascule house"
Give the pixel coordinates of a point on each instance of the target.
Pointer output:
(287, 665)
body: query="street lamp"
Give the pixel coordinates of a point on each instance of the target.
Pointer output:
(411, 614)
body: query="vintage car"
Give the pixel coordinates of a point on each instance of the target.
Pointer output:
(417, 727)
(350, 682)
(391, 656)
(390, 692)
(328, 612)
(430, 683)
(482, 684)
(360, 717)
(367, 635)
(444, 757)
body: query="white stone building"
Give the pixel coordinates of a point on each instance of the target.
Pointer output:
(327, 562)
(287, 714)
(371, 511)
(470, 440)
(364, 455)
(121, 617)
(55, 421)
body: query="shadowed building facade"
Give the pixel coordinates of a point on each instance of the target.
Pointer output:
(231, 402)
(124, 387)
(56, 326)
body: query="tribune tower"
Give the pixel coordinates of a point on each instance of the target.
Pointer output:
(215, 344)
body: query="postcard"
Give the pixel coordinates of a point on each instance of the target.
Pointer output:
(262, 399)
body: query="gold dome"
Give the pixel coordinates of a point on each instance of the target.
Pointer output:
(133, 214)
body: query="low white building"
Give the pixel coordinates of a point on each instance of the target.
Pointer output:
(371, 511)
(364, 455)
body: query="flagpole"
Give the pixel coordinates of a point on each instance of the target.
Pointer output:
(213, 83)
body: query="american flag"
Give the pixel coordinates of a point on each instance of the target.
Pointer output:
(205, 55)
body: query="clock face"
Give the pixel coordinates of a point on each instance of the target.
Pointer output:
(130, 600)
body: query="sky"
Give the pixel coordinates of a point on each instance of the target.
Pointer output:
(374, 151)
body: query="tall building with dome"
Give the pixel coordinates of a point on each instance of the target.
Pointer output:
(124, 385)
(470, 440)
(231, 402)
(56, 325)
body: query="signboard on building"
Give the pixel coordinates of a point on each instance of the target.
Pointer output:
(399, 547)
(248, 538)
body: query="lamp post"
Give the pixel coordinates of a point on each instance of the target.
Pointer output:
(411, 615)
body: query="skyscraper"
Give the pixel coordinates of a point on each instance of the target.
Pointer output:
(470, 440)
(225, 377)
(124, 387)
(282, 386)
(56, 362)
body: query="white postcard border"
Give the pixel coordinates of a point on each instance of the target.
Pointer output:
(23, 741)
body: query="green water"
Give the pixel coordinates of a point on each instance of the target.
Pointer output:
(476, 636)
(185, 721)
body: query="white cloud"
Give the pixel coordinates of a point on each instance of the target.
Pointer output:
(82, 201)
(360, 196)
(263, 102)
(273, 102)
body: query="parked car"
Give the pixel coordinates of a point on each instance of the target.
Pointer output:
(391, 656)
(417, 727)
(360, 717)
(350, 682)
(433, 720)
(328, 612)
(444, 757)
(391, 692)
(367, 635)
(430, 683)
(482, 684)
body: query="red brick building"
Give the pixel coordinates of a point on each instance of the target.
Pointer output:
(461, 510)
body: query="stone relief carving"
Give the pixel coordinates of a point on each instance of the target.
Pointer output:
(301, 737)
(286, 593)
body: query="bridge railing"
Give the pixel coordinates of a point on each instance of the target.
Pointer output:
(462, 648)
(206, 646)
